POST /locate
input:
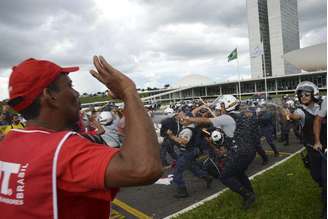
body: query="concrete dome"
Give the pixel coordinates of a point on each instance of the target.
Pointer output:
(192, 80)
(312, 58)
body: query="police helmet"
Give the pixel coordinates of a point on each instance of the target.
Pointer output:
(309, 87)
(217, 106)
(230, 102)
(290, 103)
(105, 117)
(217, 137)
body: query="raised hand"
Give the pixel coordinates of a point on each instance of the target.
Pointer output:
(119, 84)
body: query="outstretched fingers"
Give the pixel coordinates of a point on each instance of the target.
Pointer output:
(97, 76)
(100, 68)
(106, 65)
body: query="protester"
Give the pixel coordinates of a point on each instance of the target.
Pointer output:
(51, 172)
(110, 133)
(3, 121)
(7, 114)
(15, 124)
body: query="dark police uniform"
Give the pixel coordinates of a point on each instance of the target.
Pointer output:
(167, 145)
(267, 128)
(251, 119)
(317, 160)
(240, 153)
(187, 160)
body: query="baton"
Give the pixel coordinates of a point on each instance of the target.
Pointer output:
(207, 107)
(322, 154)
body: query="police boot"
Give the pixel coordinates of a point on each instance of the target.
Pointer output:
(249, 198)
(181, 192)
(208, 181)
(276, 154)
(265, 161)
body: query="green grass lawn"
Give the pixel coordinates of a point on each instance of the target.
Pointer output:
(286, 191)
(94, 99)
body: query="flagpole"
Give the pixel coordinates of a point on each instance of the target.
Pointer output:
(265, 74)
(239, 90)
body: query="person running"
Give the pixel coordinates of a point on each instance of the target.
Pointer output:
(51, 172)
(239, 143)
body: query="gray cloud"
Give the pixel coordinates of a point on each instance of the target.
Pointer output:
(312, 15)
(228, 13)
(26, 14)
(153, 41)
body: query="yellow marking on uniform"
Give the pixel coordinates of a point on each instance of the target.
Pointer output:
(130, 209)
(115, 215)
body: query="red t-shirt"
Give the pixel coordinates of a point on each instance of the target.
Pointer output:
(81, 179)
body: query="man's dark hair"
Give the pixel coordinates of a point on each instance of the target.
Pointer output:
(33, 111)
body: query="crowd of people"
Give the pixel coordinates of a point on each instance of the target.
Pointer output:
(87, 154)
(9, 120)
(228, 132)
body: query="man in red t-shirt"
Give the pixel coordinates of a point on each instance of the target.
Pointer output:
(48, 171)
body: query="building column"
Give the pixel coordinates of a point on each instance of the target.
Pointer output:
(205, 91)
(276, 85)
(255, 88)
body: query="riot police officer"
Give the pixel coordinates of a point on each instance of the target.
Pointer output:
(239, 146)
(186, 141)
(168, 144)
(267, 128)
(308, 95)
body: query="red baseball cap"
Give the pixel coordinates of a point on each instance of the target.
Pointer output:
(29, 78)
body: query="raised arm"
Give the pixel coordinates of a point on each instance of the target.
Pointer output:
(138, 161)
(197, 120)
(316, 132)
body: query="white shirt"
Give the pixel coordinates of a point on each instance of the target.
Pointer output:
(226, 123)
(313, 110)
(323, 108)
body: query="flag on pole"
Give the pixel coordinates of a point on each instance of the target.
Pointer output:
(257, 51)
(233, 55)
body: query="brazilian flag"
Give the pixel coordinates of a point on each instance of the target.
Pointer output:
(233, 55)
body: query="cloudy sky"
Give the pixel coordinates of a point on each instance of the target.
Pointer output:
(154, 42)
